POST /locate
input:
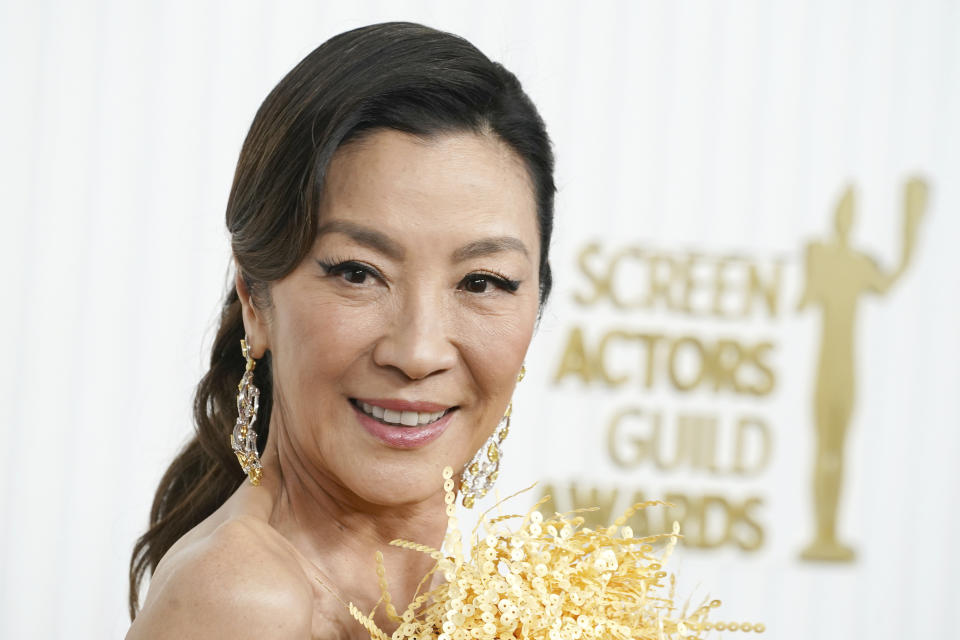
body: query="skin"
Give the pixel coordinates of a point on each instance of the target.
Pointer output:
(428, 227)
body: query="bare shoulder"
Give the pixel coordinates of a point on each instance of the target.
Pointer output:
(238, 581)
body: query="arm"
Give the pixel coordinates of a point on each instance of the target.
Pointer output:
(878, 280)
(914, 207)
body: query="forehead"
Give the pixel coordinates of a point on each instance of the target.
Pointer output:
(456, 181)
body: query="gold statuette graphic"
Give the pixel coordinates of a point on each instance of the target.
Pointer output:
(836, 275)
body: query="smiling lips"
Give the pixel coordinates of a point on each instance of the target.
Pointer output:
(400, 424)
(406, 418)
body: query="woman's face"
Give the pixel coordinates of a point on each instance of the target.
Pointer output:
(415, 306)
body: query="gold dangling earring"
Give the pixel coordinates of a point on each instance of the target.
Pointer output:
(481, 472)
(243, 440)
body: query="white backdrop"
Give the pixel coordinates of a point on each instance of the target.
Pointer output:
(707, 128)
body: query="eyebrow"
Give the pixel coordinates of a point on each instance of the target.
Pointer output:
(363, 235)
(487, 246)
(381, 242)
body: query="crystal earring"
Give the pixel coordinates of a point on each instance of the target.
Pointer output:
(481, 472)
(243, 440)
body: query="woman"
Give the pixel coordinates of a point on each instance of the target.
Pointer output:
(390, 218)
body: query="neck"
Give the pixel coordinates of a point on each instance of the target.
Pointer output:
(339, 533)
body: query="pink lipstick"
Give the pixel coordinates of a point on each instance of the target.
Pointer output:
(402, 436)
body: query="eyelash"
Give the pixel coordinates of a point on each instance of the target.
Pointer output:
(338, 268)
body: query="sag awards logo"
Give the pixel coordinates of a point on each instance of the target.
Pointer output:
(698, 390)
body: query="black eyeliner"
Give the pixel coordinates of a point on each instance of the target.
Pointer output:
(504, 283)
(337, 267)
(509, 285)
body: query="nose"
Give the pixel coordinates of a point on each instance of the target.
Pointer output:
(417, 341)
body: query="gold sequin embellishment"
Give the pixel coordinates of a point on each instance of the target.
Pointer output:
(550, 579)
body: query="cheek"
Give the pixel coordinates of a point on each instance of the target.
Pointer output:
(322, 339)
(494, 349)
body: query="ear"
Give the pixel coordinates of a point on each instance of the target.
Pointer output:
(254, 320)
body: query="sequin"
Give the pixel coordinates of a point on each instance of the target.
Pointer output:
(549, 579)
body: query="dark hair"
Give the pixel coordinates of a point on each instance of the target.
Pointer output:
(395, 75)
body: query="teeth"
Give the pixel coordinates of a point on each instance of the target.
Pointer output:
(405, 418)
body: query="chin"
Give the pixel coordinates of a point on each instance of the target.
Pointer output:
(399, 483)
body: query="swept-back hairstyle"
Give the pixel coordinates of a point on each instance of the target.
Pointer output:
(396, 75)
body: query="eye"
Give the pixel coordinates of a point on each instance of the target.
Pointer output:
(355, 276)
(481, 283)
(350, 271)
